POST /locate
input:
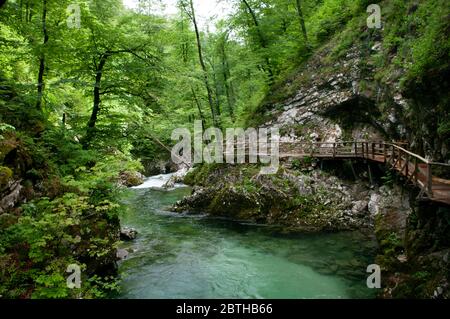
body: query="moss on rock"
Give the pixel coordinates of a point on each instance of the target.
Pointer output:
(289, 198)
(5, 176)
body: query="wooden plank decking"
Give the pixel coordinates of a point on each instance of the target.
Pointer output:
(416, 169)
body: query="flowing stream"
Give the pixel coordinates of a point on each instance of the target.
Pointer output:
(178, 256)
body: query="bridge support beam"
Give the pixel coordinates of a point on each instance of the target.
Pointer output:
(353, 170)
(369, 170)
(429, 181)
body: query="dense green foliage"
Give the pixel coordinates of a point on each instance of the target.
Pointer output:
(81, 105)
(71, 215)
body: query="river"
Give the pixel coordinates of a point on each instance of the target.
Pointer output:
(179, 256)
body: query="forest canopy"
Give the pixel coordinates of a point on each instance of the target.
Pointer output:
(91, 90)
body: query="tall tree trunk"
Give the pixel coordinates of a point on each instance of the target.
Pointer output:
(215, 118)
(97, 101)
(216, 89)
(29, 11)
(184, 44)
(302, 21)
(41, 83)
(21, 9)
(27, 8)
(262, 41)
(63, 121)
(284, 19)
(199, 107)
(226, 75)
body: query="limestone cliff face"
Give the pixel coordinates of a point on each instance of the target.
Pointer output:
(335, 99)
(329, 105)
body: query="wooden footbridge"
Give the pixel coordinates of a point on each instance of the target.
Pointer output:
(414, 168)
(418, 171)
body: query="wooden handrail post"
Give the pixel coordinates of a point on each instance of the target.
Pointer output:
(395, 158)
(407, 166)
(393, 155)
(415, 169)
(430, 180)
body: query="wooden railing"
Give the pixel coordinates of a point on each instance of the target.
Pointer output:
(415, 168)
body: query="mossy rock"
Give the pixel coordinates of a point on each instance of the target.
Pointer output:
(5, 176)
(231, 202)
(8, 143)
(130, 179)
(201, 174)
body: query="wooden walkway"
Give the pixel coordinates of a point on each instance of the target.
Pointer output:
(416, 170)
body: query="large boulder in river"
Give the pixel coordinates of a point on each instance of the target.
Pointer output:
(122, 254)
(128, 233)
(130, 179)
(308, 202)
(177, 177)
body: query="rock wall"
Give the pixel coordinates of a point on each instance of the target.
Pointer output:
(342, 99)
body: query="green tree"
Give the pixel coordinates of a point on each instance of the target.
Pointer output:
(262, 40)
(301, 19)
(118, 52)
(188, 7)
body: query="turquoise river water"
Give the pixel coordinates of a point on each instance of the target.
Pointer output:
(179, 256)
